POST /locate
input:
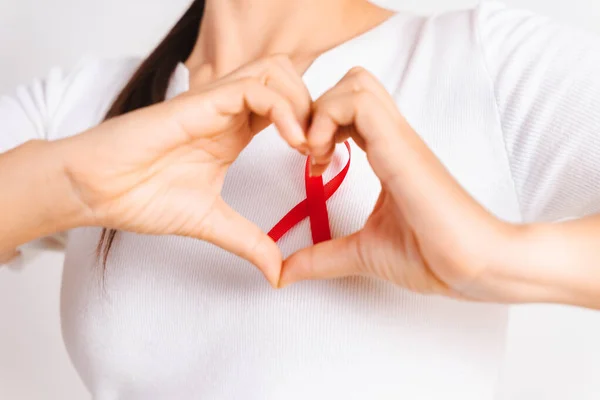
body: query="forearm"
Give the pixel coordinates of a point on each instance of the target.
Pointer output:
(554, 263)
(36, 198)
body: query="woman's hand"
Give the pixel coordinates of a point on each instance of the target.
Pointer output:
(160, 170)
(425, 233)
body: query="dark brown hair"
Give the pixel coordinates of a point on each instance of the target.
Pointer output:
(150, 82)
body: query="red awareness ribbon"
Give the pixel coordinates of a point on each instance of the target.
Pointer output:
(314, 206)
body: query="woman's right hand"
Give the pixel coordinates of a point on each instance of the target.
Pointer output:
(160, 170)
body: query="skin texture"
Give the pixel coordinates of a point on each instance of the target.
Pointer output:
(156, 156)
(160, 170)
(432, 243)
(453, 248)
(171, 183)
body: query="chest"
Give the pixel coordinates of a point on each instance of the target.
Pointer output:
(212, 320)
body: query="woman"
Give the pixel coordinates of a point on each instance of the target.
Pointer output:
(509, 104)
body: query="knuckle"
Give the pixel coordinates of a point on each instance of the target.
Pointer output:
(324, 106)
(362, 79)
(272, 67)
(364, 98)
(357, 86)
(356, 70)
(255, 249)
(322, 112)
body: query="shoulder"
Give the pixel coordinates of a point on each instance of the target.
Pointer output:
(64, 102)
(491, 21)
(102, 77)
(444, 42)
(77, 98)
(92, 73)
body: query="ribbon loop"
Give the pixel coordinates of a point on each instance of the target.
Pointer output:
(314, 206)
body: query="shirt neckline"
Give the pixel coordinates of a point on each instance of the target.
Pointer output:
(330, 66)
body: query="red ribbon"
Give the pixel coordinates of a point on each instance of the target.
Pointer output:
(314, 206)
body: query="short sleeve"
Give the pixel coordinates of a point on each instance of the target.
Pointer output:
(547, 86)
(62, 104)
(65, 102)
(28, 113)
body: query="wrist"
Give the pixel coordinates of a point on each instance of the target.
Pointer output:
(68, 210)
(38, 199)
(533, 266)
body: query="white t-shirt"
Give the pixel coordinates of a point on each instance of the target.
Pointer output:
(509, 101)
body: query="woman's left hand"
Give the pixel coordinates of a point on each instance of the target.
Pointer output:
(426, 233)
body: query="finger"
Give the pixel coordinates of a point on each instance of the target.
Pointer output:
(342, 134)
(338, 112)
(321, 141)
(328, 260)
(373, 127)
(278, 73)
(227, 229)
(251, 95)
(328, 130)
(298, 92)
(359, 79)
(273, 107)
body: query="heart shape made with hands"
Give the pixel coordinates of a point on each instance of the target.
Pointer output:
(314, 206)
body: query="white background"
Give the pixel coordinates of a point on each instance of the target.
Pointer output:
(553, 352)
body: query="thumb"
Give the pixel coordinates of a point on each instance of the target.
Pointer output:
(225, 228)
(328, 260)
